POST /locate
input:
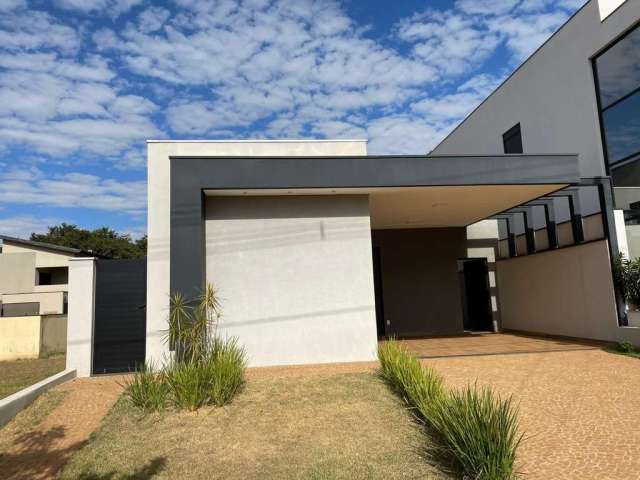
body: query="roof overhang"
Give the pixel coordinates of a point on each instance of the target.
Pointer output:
(421, 190)
(421, 207)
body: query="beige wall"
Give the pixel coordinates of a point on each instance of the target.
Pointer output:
(560, 292)
(53, 336)
(17, 272)
(592, 227)
(295, 276)
(420, 280)
(19, 337)
(50, 302)
(44, 257)
(158, 211)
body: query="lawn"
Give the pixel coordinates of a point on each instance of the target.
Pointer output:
(18, 374)
(344, 425)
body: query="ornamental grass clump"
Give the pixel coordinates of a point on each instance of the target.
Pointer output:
(147, 390)
(207, 369)
(473, 429)
(479, 431)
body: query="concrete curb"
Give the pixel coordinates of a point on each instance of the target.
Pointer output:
(11, 405)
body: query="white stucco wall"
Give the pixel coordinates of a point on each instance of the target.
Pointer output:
(158, 211)
(80, 316)
(295, 276)
(552, 96)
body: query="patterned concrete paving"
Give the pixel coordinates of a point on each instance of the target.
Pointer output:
(493, 344)
(578, 409)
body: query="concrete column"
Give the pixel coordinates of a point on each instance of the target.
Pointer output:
(80, 318)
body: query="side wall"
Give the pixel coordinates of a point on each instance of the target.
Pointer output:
(565, 292)
(295, 276)
(420, 280)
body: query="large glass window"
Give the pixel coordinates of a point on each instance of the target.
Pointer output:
(617, 72)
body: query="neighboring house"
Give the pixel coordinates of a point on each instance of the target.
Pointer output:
(33, 297)
(578, 93)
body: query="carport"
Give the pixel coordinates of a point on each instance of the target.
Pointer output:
(318, 257)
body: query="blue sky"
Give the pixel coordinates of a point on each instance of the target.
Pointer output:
(83, 84)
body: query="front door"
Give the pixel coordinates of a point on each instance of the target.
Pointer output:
(476, 296)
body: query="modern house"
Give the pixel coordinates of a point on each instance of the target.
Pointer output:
(318, 250)
(33, 297)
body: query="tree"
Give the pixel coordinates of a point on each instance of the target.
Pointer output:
(102, 242)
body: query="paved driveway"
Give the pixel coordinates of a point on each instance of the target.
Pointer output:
(579, 405)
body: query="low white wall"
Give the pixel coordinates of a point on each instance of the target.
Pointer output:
(13, 404)
(80, 316)
(566, 292)
(295, 276)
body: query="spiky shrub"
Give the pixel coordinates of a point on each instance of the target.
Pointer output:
(188, 384)
(479, 431)
(207, 369)
(227, 364)
(419, 386)
(212, 379)
(147, 389)
(476, 430)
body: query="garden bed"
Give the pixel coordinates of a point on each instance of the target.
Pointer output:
(345, 425)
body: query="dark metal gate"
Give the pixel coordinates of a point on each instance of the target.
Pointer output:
(120, 317)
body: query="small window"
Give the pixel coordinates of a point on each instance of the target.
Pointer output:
(512, 140)
(52, 276)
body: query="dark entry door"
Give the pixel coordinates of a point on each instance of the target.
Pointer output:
(120, 317)
(377, 285)
(476, 296)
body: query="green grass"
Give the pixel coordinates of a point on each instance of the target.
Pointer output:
(328, 426)
(472, 430)
(18, 374)
(624, 348)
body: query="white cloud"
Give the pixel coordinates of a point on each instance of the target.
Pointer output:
(111, 7)
(152, 19)
(22, 226)
(524, 34)
(251, 68)
(7, 5)
(32, 30)
(486, 7)
(79, 190)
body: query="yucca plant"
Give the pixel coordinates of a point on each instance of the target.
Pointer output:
(207, 369)
(147, 389)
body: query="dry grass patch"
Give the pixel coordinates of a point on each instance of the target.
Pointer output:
(18, 374)
(332, 426)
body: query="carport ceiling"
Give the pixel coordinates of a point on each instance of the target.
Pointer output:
(424, 207)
